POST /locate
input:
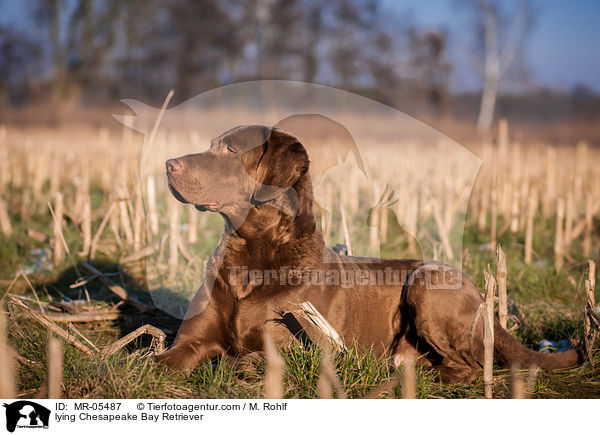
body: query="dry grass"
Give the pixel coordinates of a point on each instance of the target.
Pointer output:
(93, 176)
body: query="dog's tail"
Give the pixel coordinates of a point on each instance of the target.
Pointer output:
(510, 351)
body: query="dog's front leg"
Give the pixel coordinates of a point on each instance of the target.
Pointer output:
(200, 337)
(185, 356)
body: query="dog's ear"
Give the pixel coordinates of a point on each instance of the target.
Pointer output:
(283, 162)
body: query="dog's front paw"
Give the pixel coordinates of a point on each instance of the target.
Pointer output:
(177, 359)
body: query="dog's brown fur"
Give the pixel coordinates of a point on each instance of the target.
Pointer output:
(257, 178)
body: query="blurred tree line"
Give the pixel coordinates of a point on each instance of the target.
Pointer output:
(95, 52)
(102, 50)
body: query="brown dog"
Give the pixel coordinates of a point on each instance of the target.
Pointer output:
(272, 257)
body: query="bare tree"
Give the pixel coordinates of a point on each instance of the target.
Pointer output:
(314, 30)
(89, 38)
(47, 15)
(205, 37)
(18, 59)
(498, 56)
(348, 30)
(430, 65)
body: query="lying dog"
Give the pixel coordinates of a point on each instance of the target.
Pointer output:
(257, 179)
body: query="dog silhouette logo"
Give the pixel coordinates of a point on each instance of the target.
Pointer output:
(26, 414)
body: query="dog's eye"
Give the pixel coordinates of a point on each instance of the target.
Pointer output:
(230, 150)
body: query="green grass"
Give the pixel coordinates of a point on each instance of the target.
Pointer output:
(129, 374)
(551, 304)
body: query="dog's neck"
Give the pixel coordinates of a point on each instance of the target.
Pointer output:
(286, 219)
(270, 237)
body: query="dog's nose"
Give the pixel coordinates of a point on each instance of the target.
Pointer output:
(173, 165)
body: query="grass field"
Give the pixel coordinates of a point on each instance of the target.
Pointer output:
(546, 286)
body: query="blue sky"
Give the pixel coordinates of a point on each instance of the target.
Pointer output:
(561, 50)
(564, 44)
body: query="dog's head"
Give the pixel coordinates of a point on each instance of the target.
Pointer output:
(245, 166)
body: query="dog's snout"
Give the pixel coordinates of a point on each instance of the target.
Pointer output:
(173, 166)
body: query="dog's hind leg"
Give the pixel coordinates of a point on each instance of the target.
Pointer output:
(407, 347)
(451, 368)
(405, 352)
(457, 373)
(441, 305)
